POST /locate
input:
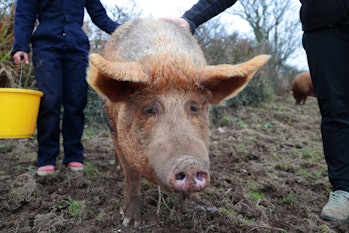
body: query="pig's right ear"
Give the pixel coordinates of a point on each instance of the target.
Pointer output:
(113, 80)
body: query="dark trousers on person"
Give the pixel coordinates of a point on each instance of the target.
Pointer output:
(61, 76)
(328, 59)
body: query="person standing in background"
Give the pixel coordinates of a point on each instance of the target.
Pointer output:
(60, 57)
(326, 41)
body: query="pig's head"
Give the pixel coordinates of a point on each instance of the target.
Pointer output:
(158, 111)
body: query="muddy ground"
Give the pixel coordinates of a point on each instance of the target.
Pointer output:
(267, 175)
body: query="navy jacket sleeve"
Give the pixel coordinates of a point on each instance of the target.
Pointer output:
(204, 10)
(25, 17)
(99, 16)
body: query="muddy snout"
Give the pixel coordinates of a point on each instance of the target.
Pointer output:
(189, 175)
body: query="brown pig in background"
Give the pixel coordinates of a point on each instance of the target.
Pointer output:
(157, 89)
(302, 87)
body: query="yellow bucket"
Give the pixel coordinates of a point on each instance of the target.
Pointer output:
(18, 112)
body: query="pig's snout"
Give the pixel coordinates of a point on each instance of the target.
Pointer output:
(190, 176)
(190, 181)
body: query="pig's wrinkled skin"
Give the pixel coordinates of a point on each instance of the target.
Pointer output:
(157, 89)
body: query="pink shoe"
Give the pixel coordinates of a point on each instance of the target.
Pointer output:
(76, 166)
(45, 170)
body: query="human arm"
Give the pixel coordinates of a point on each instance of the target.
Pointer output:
(25, 17)
(204, 10)
(99, 16)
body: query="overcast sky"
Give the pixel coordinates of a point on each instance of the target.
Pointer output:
(158, 8)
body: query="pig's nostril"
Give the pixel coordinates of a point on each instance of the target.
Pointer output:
(200, 176)
(180, 176)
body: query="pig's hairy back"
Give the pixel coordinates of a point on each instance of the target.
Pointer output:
(141, 38)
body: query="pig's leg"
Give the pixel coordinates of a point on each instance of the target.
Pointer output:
(132, 205)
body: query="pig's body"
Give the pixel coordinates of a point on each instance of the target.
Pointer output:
(157, 89)
(302, 87)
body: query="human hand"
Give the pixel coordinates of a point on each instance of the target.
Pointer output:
(21, 57)
(179, 21)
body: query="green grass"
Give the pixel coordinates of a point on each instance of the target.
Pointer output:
(290, 198)
(256, 197)
(91, 170)
(228, 213)
(324, 228)
(89, 133)
(240, 148)
(74, 207)
(240, 122)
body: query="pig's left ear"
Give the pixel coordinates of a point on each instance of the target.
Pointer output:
(113, 80)
(226, 81)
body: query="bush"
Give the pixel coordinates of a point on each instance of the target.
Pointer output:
(11, 75)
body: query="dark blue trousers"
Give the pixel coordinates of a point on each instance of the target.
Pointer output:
(61, 76)
(328, 58)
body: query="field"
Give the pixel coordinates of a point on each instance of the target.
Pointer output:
(268, 174)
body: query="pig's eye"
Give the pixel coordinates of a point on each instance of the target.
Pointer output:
(194, 107)
(149, 111)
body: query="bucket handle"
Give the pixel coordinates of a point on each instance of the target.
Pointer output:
(21, 73)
